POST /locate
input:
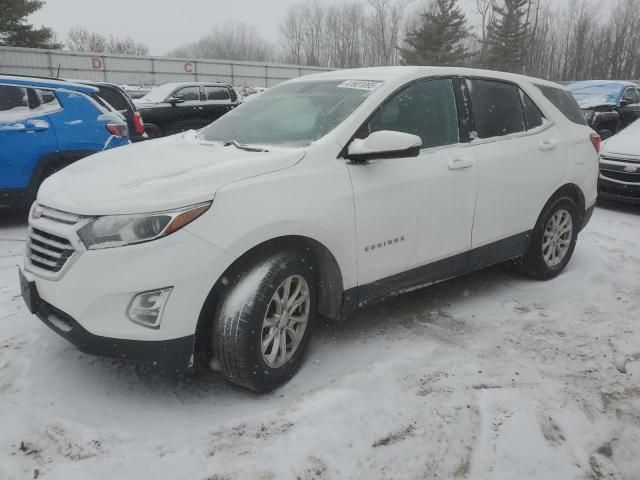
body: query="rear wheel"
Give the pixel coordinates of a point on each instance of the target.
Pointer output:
(553, 240)
(263, 325)
(152, 131)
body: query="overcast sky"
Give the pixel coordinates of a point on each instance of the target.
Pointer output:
(161, 24)
(165, 24)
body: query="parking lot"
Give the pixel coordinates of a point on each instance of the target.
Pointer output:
(489, 376)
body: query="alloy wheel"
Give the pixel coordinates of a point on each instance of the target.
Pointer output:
(285, 322)
(557, 238)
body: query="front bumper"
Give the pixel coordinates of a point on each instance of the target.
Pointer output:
(174, 355)
(619, 179)
(87, 300)
(619, 192)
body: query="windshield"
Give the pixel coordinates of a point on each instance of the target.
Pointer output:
(597, 92)
(294, 114)
(159, 94)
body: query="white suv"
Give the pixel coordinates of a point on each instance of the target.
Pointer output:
(326, 193)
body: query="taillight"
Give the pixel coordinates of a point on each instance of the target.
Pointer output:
(596, 141)
(118, 129)
(138, 124)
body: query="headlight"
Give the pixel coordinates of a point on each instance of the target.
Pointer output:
(119, 230)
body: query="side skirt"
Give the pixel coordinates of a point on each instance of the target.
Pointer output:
(455, 266)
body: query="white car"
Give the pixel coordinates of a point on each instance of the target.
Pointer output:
(326, 193)
(620, 166)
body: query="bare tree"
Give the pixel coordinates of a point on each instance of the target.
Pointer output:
(236, 41)
(484, 8)
(126, 46)
(385, 29)
(81, 40)
(344, 30)
(313, 39)
(292, 31)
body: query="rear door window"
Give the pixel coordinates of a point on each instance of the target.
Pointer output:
(18, 103)
(216, 93)
(564, 102)
(426, 109)
(497, 108)
(533, 117)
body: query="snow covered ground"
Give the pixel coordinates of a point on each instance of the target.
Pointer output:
(492, 376)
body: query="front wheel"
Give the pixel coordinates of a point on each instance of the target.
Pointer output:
(553, 240)
(263, 325)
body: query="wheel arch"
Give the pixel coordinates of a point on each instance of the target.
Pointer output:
(572, 191)
(153, 126)
(58, 161)
(329, 278)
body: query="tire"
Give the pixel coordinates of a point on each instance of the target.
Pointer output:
(553, 240)
(604, 134)
(152, 131)
(50, 170)
(248, 315)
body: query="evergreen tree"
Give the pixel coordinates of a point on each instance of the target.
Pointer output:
(16, 32)
(439, 39)
(507, 36)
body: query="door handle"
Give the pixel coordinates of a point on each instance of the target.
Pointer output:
(460, 163)
(32, 126)
(546, 145)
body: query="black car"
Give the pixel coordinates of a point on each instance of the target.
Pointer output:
(177, 107)
(609, 106)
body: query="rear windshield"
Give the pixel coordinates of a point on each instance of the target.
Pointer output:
(114, 98)
(564, 102)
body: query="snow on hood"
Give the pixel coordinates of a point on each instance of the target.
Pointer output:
(593, 102)
(156, 175)
(625, 143)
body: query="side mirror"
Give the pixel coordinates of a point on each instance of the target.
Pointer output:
(175, 100)
(384, 144)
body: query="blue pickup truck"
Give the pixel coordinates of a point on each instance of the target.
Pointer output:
(46, 125)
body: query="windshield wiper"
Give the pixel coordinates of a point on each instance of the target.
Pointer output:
(244, 147)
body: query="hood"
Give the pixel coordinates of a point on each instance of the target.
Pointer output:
(140, 103)
(594, 102)
(156, 175)
(626, 143)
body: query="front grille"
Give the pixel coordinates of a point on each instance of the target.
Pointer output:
(48, 249)
(620, 159)
(621, 176)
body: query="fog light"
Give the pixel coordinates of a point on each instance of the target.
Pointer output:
(147, 308)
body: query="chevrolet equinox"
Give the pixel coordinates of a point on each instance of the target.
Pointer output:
(327, 193)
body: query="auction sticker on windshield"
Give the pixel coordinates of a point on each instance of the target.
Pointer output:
(360, 84)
